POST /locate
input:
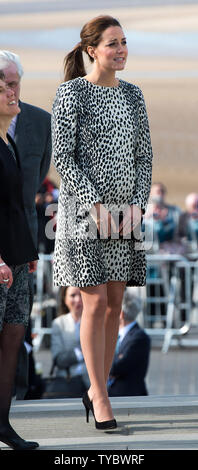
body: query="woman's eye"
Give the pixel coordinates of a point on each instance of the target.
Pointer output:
(114, 43)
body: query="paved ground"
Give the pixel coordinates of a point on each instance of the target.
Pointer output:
(166, 420)
(143, 423)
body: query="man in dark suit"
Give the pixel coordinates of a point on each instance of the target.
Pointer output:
(31, 132)
(130, 364)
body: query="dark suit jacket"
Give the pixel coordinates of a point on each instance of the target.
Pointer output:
(130, 364)
(33, 141)
(16, 244)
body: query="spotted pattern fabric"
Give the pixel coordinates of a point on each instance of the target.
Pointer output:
(15, 301)
(102, 151)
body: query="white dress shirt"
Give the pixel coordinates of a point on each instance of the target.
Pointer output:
(12, 127)
(124, 330)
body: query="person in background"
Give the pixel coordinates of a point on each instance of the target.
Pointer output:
(161, 220)
(31, 132)
(18, 255)
(188, 221)
(165, 219)
(131, 360)
(46, 196)
(65, 339)
(188, 231)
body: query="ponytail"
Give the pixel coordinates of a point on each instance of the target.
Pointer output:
(74, 64)
(90, 34)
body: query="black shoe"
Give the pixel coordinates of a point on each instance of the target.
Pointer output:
(110, 424)
(87, 404)
(17, 443)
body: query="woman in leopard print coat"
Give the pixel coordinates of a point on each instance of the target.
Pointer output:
(102, 150)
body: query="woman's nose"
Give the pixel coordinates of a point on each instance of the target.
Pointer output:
(120, 49)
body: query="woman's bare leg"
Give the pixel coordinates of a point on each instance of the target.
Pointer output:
(115, 291)
(99, 331)
(92, 335)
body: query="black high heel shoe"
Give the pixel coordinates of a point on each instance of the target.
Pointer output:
(17, 443)
(110, 424)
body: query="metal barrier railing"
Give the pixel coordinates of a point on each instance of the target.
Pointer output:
(44, 300)
(174, 274)
(179, 283)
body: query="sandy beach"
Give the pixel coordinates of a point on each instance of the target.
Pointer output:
(169, 83)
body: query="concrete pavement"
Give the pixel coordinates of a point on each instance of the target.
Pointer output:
(153, 422)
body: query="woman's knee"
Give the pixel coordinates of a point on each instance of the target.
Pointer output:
(95, 302)
(115, 298)
(114, 309)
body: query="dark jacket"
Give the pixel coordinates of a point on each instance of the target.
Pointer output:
(16, 244)
(33, 141)
(130, 364)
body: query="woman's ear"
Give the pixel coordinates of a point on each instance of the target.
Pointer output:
(91, 52)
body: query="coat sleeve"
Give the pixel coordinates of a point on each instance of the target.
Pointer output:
(64, 140)
(62, 355)
(56, 341)
(143, 158)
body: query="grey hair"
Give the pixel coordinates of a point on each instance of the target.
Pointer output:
(6, 57)
(131, 304)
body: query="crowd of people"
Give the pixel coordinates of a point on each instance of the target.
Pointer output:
(98, 348)
(173, 230)
(131, 360)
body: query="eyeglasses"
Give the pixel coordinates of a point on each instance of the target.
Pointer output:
(12, 85)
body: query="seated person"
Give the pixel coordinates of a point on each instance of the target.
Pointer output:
(65, 338)
(188, 221)
(164, 217)
(131, 359)
(161, 220)
(188, 231)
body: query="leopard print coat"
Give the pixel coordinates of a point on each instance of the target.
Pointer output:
(102, 150)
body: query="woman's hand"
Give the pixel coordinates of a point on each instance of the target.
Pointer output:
(32, 266)
(6, 277)
(131, 219)
(104, 221)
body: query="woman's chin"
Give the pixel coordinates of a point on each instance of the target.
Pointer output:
(120, 67)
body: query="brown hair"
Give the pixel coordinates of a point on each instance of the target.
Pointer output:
(162, 186)
(62, 305)
(90, 36)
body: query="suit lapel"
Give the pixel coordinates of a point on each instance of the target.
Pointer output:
(12, 142)
(10, 162)
(130, 333)
(22, 132)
